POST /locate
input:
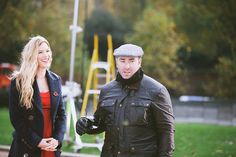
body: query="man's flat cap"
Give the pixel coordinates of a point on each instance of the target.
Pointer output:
(129, 50)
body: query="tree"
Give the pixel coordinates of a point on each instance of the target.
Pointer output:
(156, 34)
(209, 27)
(14, 28)
(22, 19)
(103, 23)
(130, 13)
(225, 85)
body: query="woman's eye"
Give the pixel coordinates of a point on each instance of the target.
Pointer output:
(40, 52)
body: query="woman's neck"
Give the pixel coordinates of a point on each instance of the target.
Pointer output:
(41, 73)
(41, 80)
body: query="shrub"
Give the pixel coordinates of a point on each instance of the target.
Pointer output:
(4, 94)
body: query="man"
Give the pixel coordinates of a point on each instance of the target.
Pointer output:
(135, 111)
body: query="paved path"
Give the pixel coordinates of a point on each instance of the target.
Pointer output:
(4, 153)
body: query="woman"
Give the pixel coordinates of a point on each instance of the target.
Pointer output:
(36, 108)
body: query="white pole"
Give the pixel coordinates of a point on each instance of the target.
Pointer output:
(74, 29)
(72, 112)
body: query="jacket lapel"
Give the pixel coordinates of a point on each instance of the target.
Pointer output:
(54, 93)
(37, 99)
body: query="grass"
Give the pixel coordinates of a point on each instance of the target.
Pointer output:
(5, 127)
(191, 140)
(68, 146)
(201, 140)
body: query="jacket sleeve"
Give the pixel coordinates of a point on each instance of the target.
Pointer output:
(60, 120)
(164, 122)
(98, 118)
(26, 134)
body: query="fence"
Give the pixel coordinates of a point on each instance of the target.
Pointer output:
(216, 112)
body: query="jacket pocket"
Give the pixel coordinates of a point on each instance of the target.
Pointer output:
(108, 107)
(150, 147)
(139, 113)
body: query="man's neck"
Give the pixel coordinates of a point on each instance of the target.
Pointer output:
(137, 77)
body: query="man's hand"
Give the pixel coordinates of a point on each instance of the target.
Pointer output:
(83, 125)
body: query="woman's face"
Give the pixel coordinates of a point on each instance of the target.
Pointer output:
(44, 56)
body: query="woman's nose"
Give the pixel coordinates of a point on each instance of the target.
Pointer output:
(46, 54)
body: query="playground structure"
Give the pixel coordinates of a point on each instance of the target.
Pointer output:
(93, 83)
(71, 90)
(100, 73)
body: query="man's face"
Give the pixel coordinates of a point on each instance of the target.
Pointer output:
(127, 66)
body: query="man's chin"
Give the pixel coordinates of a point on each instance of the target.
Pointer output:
(126, 77)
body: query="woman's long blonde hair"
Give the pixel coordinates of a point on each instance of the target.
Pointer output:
(25, 77)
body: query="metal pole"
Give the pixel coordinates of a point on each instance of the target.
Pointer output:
(74, 29)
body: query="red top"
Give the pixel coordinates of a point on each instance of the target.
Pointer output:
(47, 131)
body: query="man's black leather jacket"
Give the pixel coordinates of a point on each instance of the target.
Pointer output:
(137, 120)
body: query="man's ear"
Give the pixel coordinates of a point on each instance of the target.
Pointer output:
(116, 60)
(140, 61)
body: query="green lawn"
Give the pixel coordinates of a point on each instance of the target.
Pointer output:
(191, 140)
(5, 127)
(200, 140)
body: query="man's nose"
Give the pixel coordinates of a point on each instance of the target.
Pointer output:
(127, 65)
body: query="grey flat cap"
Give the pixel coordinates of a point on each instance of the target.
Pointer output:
(129, 50)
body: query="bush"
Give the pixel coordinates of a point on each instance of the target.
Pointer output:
(103, 23)
(4, 94)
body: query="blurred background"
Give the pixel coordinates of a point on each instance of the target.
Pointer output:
(189, 45)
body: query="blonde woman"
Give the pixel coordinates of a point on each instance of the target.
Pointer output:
(36, 108)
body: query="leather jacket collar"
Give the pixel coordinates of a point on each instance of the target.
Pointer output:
(133, 82)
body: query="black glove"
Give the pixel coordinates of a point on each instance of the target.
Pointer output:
(83, 125)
